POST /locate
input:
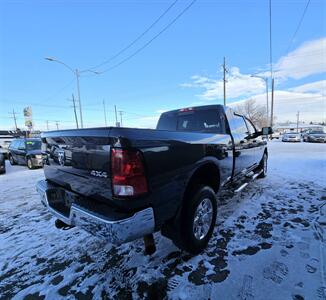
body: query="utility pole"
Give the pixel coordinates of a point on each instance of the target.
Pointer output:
(224, 81)
(76, 73)
(270, 39)
(104, 113)
(272, 105)
(74, 103)
(47, 125)
(267, 105)
(14, 117)
(267, 108)
(116, 116)
(79, 100)
(57, 124)
(120, 112)
(298, 115)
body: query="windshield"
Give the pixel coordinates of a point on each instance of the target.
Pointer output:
(33, 145)
(317, 132)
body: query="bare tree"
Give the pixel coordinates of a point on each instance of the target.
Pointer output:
(254, 112)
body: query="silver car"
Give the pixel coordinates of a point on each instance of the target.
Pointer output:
(317, 136)
(291, 137)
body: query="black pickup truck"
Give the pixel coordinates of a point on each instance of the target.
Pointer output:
(124, 183)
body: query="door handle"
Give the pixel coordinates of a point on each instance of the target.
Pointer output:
(254, 141)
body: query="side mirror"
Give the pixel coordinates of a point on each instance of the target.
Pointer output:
(267, 130)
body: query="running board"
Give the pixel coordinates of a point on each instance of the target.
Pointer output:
(239, 189)
(257, 174)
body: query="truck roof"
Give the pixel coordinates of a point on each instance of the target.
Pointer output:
(202, 107)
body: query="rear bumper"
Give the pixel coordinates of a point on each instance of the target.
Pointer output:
(115, 231)
(314, 140)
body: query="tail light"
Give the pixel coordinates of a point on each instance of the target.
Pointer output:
(128, 173)
(187, 109)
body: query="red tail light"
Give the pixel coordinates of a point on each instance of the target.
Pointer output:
(128, 173)
(186, 109)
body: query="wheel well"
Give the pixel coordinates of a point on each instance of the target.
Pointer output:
(207, 174)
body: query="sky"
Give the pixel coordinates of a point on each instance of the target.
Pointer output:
(179, 68)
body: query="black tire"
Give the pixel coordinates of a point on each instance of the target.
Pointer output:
(263, 166)
(29, 163)
(186, 238)
(12, 161)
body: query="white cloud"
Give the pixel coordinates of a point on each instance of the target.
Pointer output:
(312, 106)
(238, 85)
(313, 87)
(308, 59)
(309, 99)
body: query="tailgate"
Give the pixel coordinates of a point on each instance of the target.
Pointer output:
(79, 160)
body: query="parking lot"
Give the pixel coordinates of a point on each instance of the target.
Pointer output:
(269, 243)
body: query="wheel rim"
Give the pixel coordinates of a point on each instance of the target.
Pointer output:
(203, 219)
(29, 163)
(265, 163)
(11, 160)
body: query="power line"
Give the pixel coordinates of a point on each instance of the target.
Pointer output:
(75, 111)
(104, 108)
(224, 81)
(136, 39)
(13, 113)
(151, 40)
(60, 90)
(298, 26)
(120, 112)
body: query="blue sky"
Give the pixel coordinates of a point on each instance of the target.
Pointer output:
(180, 68)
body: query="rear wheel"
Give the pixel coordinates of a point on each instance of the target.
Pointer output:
(197, 220)
(11, 160)
(263, 166)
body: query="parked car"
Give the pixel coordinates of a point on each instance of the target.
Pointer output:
(304, 135)
(275, 135)
(2, 164)
(26, 151)
(318, 136)
(291, 137)
(123, 183)
(4, 144)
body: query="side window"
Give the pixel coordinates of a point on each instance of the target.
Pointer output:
(13, 145)
(250, 126)
(238, 125)
(21, 144)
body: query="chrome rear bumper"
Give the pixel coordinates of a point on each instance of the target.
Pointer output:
(115, 231)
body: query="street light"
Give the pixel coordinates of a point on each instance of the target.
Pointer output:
(77, 73)
(266, 83)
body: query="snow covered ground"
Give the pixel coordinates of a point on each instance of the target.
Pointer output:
(269, 243)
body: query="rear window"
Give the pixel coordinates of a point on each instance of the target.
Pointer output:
(207, 121)
(33, 145)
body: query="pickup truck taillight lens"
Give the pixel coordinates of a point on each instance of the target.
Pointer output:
(128, 173)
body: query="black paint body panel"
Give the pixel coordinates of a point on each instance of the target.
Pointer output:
(170, 157)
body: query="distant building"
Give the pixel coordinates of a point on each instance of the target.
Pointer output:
(293, 127)
(18, 134)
